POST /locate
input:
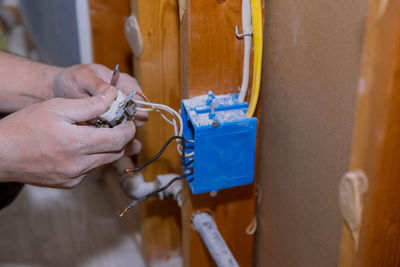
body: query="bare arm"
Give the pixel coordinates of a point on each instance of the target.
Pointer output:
(24, 82)
(45, 142)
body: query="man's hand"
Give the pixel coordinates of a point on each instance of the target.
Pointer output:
(91, 79)
(49, 144)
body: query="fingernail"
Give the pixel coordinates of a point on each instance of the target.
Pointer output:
(107, 92)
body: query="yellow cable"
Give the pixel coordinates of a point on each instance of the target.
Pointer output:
(256, 16)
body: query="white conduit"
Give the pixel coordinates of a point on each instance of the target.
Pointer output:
(247, 29)
(204, 224)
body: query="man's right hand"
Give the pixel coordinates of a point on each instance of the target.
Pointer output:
(49, 144)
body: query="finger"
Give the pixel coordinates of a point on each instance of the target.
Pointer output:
(133, 148)
(102, 71)
(141, 118)
(88, 108)
(105, 140)
(72, 183)
(90, 83)
(127, 83)
(100, 159)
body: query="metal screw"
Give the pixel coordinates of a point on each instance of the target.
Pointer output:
(215, 124)
(213, 193)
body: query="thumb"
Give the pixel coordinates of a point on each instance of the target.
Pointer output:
(88, 108)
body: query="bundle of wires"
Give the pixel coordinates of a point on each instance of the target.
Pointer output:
(252, 27)
(178, 130)
(186, 159)
(256, 15)
(185, 164)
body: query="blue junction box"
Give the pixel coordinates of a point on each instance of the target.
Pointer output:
(224, 144)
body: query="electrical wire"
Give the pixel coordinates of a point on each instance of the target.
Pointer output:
(246, 26)
(159, 154)
(184, 165)
(140, 200)
(174, 115)
(256, 14)
(180, 147)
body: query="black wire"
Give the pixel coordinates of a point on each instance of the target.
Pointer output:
(183, 162)
(167, 185)
(183, 141)
(189, 162)
(140, 200)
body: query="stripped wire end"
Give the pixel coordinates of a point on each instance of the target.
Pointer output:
(152, 194)
(122, 213)
(127, 170)
(132, 204)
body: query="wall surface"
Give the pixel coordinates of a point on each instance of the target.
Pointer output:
(311, 66)
(53, 26)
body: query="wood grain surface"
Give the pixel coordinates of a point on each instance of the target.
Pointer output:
(376, 141)
(158, 73)
(212, 55)
(108, 40)
(211, 59)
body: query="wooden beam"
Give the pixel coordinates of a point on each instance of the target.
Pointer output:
(211, 54)
(158, 73)
(211, 59)
(109, 44)
(376, 141)
(110, 48)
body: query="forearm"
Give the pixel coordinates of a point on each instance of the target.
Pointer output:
(24, 82)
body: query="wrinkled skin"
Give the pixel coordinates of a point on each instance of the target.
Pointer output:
(89, 79)
(50, 144)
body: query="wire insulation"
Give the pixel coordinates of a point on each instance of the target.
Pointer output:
(246, 26)
(140, 200)
(158, 154)
(256, 14)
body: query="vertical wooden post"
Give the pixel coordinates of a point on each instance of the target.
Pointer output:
(376, 141)
(158, 73)
(211, 59)
(109, 44)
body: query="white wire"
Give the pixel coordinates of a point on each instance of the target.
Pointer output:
(166, 108)
(246, 27)
(161, 114)
(144, 109)
(175, 115)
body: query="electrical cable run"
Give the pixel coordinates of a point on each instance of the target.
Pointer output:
(183, 141)
(140, 200)
(154, 193)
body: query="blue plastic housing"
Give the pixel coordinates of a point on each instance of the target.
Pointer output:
(224, 142)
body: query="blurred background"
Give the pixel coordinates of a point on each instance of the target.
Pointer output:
(47, 227)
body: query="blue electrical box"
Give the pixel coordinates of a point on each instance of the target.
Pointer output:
(222, 153)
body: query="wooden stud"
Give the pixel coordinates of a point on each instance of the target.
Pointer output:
(211, 59)
(109, 44)
(376, 141)
(158, 73)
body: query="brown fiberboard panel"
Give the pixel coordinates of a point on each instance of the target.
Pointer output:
(311, 65)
